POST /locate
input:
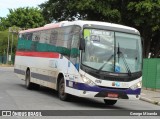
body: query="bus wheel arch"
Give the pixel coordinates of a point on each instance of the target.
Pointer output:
(60, 76)
(29, 85)
(61, 88)
(27, 70)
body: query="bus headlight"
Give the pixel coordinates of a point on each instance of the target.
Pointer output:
(136, 86)
(88, 81)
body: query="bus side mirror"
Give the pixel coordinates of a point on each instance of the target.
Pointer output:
(82, 44)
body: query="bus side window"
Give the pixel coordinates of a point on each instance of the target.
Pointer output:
(53, 36)
(75, 45)
(20, 42)
(35, 40)
(24, 37)
(44, 37)
(62, 40)
(74, 53)
(29, 36)
(36, 36)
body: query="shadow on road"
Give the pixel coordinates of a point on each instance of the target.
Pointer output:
(85, 102)
(73, 100)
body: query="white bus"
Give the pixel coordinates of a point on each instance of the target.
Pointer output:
(83, 58)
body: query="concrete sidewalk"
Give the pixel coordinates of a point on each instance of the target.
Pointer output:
(150, 96)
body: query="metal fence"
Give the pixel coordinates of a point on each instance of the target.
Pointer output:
(3, 59)
(151, 73)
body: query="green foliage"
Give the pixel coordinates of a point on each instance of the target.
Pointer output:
(4, 42)
(20, 17)
(145, 15)
(146, 12)
(59, 10)
(3, 23)
(23, 18)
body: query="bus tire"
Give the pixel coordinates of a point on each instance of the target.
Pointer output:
(30, 85)
(61, 90)
(110, 102)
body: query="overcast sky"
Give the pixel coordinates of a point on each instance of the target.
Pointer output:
(11, 4)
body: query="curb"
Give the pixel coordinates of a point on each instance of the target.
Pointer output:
(151, 89)
(150, 101)
(3, 66)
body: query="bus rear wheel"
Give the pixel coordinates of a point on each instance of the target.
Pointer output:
(110, 102)
(30, 85)
(61, 90)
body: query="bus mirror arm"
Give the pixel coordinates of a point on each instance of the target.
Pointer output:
(82, 44)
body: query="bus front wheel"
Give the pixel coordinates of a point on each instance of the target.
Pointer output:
(61, 90)
(110, 102)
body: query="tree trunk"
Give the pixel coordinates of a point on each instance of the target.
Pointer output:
(156, 45)
(146, 34)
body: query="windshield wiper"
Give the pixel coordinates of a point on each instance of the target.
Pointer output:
(105, 63)
(124, 60)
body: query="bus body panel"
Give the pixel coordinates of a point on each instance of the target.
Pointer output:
(46, 66)
(45, 75)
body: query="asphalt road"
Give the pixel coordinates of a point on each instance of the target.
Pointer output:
(14, 96)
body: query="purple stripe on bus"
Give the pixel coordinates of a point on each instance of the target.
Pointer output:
(82, 86)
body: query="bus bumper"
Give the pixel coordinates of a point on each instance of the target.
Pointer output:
(84, 90)
(90, 94)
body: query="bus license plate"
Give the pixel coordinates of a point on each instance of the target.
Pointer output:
(112, 95)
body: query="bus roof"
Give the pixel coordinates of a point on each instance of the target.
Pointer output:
(41, 28)
(80, 23)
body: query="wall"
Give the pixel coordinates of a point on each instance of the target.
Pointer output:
(151, 73)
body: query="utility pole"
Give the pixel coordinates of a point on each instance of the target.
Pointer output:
(11, 44)
(8, 49)
(12, 30)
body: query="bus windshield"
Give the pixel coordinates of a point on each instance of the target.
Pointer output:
(102, 49)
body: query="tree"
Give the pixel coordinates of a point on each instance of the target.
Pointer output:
(145, 16)
(3, 23)
(141, 14)
(60, 10)
(20, 17)
(23, 18)
(4, 42)
(155, 44)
